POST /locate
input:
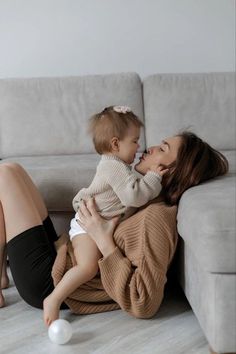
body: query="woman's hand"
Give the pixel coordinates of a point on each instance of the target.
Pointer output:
(98, 228)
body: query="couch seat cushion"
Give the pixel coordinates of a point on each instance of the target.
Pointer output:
(59, 178)
(206, 222)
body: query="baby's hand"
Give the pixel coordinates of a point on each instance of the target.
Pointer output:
(161, 170)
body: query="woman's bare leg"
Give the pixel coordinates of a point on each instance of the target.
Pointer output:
(19, 209)
(34, 192)
(3, 272)
(3, 258)
(4, 278)
(18, 204)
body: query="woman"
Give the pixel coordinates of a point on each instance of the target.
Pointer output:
(135, 259)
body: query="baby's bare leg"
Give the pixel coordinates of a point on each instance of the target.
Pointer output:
(87, 256)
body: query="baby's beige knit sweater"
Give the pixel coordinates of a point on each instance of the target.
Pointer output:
(134, 275)
(117, 189)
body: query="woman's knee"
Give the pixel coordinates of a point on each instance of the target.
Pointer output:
(14, 166)
(11, 167)
(6, 168)
(7, 173)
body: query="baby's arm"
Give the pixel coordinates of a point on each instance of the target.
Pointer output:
(160, 170)
(131, 190)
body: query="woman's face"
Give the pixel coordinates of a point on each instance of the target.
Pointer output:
(163, 154)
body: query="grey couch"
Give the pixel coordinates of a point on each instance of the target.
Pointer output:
(43, 126)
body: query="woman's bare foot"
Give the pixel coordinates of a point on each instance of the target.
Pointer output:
(2, 300)
(51, 310)
(4, 281)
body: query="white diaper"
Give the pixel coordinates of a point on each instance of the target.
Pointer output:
(75, 228)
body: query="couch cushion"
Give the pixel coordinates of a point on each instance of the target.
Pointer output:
(231, 157)
(204, 103)
(59, 177)
(206, 222)
(49, 116)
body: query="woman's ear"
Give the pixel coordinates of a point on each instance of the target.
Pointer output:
(115, 144)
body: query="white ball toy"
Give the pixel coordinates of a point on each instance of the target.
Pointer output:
(60, 331)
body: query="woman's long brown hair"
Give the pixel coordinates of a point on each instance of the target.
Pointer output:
(196, 162)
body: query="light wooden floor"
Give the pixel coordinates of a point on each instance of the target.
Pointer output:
(174, 330)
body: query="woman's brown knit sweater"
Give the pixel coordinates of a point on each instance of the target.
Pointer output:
(134, 275)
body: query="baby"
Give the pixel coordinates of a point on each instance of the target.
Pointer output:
(117, 190)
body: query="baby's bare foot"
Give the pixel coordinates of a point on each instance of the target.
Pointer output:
(4, 281)
(2, 300)
(50, 310)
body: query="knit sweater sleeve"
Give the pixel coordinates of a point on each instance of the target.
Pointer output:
(138, 291)
(131, 190)
(138, 287)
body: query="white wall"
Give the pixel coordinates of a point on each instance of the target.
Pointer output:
(77, 37)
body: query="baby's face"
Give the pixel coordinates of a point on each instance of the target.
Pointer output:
(164, 154)
(129, 145)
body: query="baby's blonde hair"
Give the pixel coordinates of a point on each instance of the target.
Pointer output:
(109, 123)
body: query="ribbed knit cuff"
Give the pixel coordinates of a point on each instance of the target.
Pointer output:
(111, 258)
(155, 175)
(111, 265)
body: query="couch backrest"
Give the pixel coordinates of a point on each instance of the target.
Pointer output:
(49, 116)
(203, 103)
